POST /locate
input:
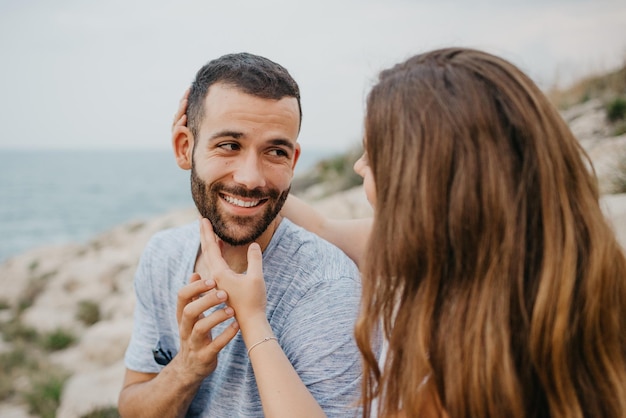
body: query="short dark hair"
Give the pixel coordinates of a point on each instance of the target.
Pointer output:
(252, 74)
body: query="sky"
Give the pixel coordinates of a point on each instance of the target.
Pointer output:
(108, 74)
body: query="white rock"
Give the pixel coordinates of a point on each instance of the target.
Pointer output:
(588, 122)
(14, 411)
(85, 392)
(607, 156)
(614, 207)
(105, 342)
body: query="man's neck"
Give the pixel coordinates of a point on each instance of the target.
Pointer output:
(237, 256)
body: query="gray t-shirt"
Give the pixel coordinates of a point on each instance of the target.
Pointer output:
(313, 292)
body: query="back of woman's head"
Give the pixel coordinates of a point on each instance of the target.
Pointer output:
(491, 264)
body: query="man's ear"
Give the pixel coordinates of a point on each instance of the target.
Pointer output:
(296, 156)
(182, 143)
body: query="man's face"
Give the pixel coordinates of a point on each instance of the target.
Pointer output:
(243, 161)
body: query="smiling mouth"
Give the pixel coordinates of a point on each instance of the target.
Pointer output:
(242, 203)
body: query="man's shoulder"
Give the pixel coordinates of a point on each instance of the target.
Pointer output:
(312, 253)
(296, 236)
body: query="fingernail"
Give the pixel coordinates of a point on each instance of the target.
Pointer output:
(229, 311)
(209, 282)
(235, 325)
(220, 294)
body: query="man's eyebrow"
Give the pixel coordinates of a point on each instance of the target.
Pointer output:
(224, 134)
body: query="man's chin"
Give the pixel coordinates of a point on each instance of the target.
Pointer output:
(240, 230)
(238, 238)
(236, 241)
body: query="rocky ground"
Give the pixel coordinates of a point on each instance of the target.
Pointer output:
(54, 282)
(46, 290)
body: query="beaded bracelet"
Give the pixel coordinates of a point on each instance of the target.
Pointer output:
(266, 339)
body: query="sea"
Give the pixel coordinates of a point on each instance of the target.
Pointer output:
(60, 196)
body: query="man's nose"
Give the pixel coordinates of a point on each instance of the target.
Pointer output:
(249, 172)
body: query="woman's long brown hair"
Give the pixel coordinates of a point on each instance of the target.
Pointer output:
(491, 268)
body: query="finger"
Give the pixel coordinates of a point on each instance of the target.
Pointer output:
(182, 104)
(202, 328)
(182, 108)
(209, 282)
(191, 292)
(194, 277)
(255, 260)
(178, 116)
(195, 286)
(203, 268)
(179, 127)
(182, 121)
(194, 311)
(210, 249)
(215, 345)
(186, 94)
(220, 341)
(179, 122)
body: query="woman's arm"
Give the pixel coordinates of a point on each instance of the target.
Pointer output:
(282, 392)
(350, 235)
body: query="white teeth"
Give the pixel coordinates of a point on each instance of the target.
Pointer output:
(241, 203)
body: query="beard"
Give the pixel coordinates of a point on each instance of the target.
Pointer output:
(235, 230)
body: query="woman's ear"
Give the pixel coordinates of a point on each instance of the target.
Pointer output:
(182, 142)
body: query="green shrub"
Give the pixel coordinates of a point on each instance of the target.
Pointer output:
(35, 287)
(88, 312)
(33, 265)
(27, 363)
(620, 128)
(13, 360)
(15, 331)
(7, 386)
(334, 173)
(30, 293)
(104, 412)
(616, 110)
(44, 397)
(12, 364)
(585, 97)
(58, 339)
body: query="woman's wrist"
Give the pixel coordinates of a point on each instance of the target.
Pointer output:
(255, 328)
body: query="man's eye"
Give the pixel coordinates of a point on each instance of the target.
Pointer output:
(229, 146)
(278, 153)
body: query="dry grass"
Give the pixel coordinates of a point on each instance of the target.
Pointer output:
(88, 312)
(106, 412)
(27, 375)
(41, 381)
(619, 178)
(599, 86)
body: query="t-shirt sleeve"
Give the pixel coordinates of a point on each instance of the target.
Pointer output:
(319, 340)
(139, 355)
